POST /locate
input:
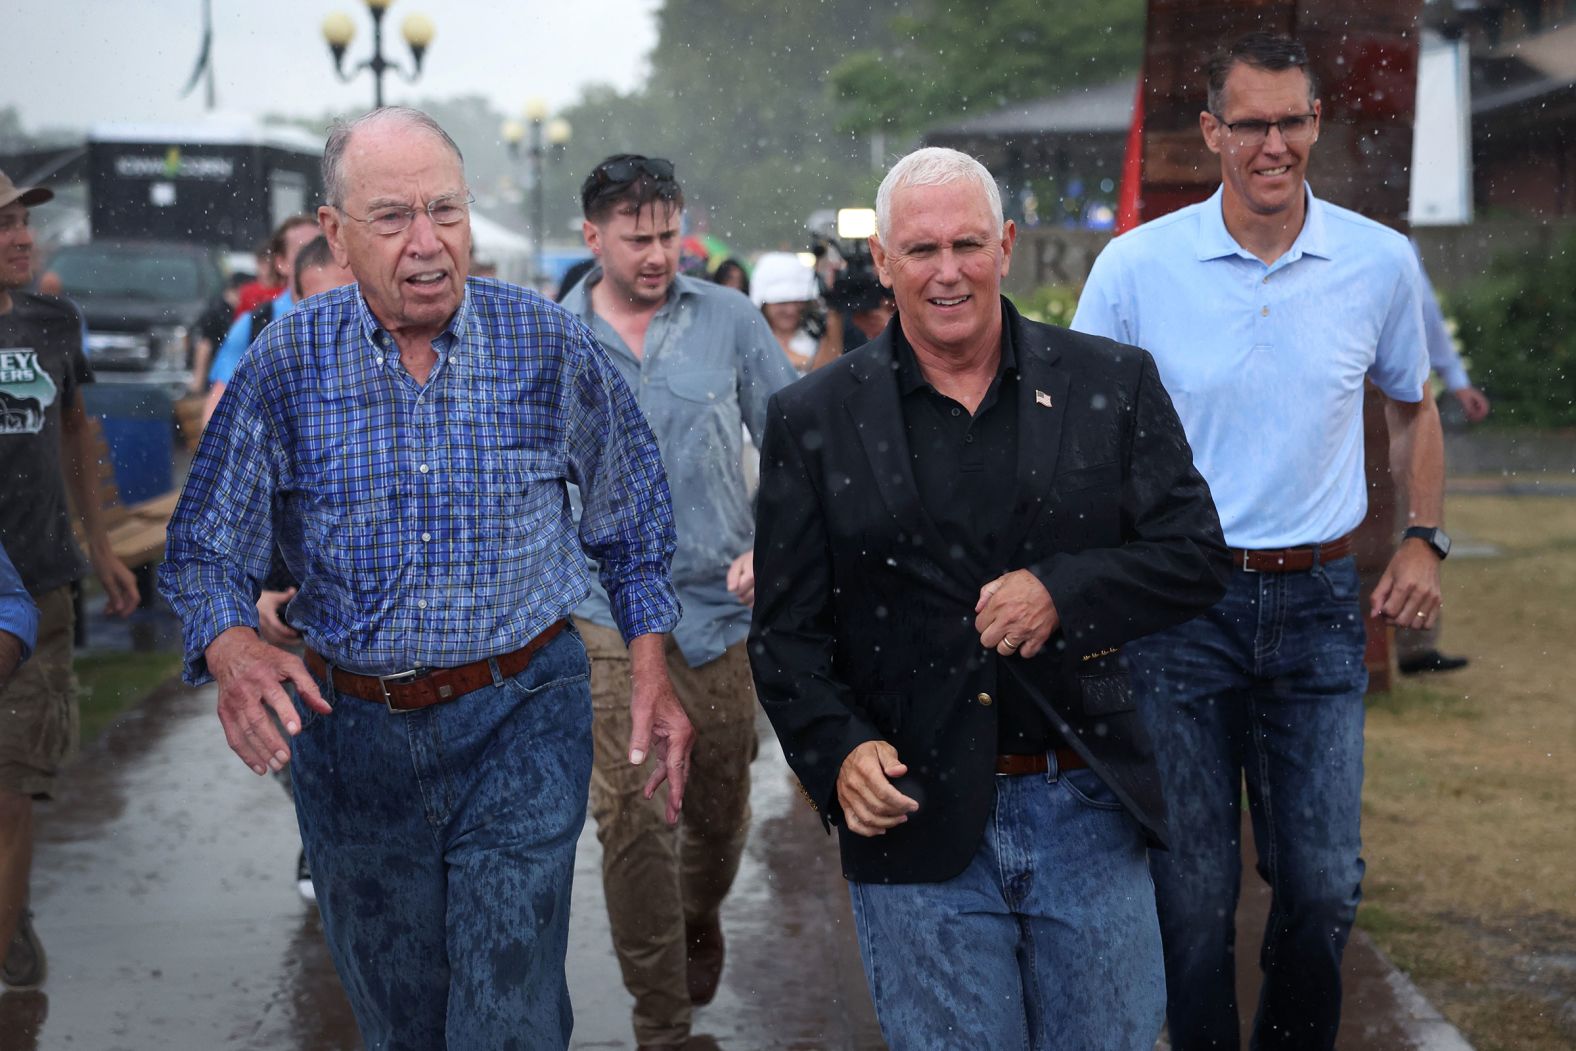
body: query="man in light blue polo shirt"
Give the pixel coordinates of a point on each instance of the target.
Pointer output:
(1267, 310)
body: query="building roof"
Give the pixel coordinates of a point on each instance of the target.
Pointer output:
(1525, 69)
(1103, 108)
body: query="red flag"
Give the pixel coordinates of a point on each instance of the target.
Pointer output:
(1127, 200)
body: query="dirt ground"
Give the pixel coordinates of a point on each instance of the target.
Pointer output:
(1468, 826)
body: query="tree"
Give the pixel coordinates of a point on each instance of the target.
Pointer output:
(949, 59)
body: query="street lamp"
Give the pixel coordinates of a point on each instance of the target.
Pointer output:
(339, 30)
(544, 136)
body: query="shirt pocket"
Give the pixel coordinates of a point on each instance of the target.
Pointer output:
(718, 387)
(520, 489)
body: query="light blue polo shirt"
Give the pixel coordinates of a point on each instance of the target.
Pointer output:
(1266, 363)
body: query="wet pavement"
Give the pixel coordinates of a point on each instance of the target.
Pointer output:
(164, 890)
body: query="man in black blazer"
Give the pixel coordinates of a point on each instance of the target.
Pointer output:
(959, 527)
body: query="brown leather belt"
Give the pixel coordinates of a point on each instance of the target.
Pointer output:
(407, 691)
(1292, 559)
(1012, 765)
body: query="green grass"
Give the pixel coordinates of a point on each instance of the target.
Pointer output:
(112, 682)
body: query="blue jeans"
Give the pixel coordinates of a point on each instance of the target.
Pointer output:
(1048, 940)
(442, 846)
(1268, 684)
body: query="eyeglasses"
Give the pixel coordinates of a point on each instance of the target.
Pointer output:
(1295, 130)
(396, 218)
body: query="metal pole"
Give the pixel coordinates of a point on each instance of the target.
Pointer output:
(378, 64)
(207, 25)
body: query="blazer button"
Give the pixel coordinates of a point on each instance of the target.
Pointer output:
(984, 699)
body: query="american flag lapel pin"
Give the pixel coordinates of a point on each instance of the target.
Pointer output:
(1042, 398)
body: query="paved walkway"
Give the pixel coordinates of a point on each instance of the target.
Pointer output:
(164, 890)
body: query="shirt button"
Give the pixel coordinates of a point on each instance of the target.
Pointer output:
(1266, 279)
(968, 439)
(426, 537)
(957, 411)
(423, 468)
(1264, 312)
(422, 604)
(453, 360)
(378, 360)
(984, 699)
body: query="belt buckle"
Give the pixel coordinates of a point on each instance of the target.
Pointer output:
(1246, 555)
(399, 678)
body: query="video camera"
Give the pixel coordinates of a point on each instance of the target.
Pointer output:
(839, 240)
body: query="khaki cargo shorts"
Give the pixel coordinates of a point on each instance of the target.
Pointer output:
(39, 721)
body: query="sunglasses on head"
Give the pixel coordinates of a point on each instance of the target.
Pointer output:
(627, 170)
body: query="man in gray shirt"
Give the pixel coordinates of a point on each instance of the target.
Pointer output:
(701, 362)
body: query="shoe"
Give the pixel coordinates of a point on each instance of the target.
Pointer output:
(304, 879)
(24, 958)
(704, 950)
(1431, 660)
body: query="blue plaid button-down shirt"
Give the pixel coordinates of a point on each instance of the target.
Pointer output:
(429, 525)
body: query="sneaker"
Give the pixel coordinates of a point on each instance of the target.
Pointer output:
(24, 958)
(304, 879)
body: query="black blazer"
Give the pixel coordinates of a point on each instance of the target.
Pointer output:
(864, 625)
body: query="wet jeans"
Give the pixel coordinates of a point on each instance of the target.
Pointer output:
(1047, 941)
(442, 846)
(1268, 684)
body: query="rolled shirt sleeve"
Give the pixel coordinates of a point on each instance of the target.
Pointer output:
(18, 614)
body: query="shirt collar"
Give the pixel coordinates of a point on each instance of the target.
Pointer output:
(452, 335)
(578, 301)
(911, 379)
(1215, 241)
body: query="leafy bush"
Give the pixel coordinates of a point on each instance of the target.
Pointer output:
(1518, 324)
(1051, 304)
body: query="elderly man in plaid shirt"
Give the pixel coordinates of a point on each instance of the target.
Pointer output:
(407, 442)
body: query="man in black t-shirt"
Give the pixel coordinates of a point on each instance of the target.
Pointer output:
(44, 445)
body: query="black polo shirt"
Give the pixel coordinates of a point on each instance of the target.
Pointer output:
(964, 468)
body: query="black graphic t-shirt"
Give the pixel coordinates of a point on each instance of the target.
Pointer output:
(41, 367)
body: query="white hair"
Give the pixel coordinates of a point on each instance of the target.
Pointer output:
(340, 131)
(934, 166)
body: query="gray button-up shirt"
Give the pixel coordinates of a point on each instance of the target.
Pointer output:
(709, 365)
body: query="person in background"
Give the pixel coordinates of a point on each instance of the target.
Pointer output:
(785, 290)
(731, 273)
(210, 331)
(702, 364)
(316, 271)
(46, 452)
(1417, 650)
(292, 235)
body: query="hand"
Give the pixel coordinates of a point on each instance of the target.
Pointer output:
(1015, 615)
(741, 578)
(119, 583)
(1473, 403)
(871, 804)
(250, 672)
(270, 618)
(657, 722)
(1407, 596)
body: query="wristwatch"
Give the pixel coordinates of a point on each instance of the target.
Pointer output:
(1433, 536)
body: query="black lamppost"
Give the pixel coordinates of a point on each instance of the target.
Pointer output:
(545, 136)
(339, 30)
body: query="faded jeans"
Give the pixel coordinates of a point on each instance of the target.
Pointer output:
(442, 844)
(1047, 941)
(1267, 684)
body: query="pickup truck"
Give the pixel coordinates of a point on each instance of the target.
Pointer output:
(141, 300)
